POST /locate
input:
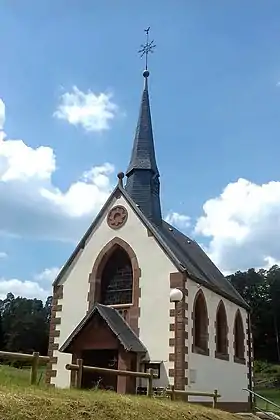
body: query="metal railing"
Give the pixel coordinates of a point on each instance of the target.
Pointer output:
(255, 395)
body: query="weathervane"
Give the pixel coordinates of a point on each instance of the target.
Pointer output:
(147, 48)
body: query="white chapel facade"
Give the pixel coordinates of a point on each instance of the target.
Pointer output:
(111, 300)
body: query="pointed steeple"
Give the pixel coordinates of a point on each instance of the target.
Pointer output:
(142, 174)
(143, 152)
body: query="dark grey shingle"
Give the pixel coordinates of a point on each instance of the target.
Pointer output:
(143, 184)
(197, 262)
(143, 150)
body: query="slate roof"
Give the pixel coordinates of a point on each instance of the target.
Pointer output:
(143, 184)
(117, 325)
(143, 151)
(198, 264)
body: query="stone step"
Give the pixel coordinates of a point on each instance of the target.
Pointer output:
(248, 416)
(268, 415)
(259, 415)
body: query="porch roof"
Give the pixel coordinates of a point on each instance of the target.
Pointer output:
(117, 325)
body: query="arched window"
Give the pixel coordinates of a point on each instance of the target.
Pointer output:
(239, 349)
(200, 332)
(117, 279)
(221, 331)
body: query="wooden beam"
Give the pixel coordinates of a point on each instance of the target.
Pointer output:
(21, 356)
(115, 372)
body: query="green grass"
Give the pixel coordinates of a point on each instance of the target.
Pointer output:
(270, 394)
(267, 381)
(12, 376)
(20, 401)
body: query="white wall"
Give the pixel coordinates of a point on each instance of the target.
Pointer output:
(154, 282)
(207, 372)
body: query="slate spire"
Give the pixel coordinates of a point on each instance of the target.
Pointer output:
(143, 184)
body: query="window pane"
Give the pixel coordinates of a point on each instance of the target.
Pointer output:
(117, 279)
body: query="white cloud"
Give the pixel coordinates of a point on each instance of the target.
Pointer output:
(3, 255)
(40, 286)
(270, 262)
(28, 289)
(32, 204)
(48, 275)
(243, 225)
(180, 221)
(94, 112)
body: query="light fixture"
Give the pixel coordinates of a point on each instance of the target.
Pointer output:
(176, 295)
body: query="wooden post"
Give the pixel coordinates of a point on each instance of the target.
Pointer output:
(79, 376)
(34, 368)
(172, 396)
(266, 406)
(215, 398)
(150, 383)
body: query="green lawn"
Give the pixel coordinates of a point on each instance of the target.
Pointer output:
(12, 376)
(270, 394)
(20, 401)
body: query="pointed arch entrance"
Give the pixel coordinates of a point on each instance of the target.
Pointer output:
(113, 286)
(114, 280)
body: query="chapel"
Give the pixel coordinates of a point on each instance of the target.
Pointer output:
(111, 300)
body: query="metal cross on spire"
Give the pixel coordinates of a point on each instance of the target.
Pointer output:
(147, 48)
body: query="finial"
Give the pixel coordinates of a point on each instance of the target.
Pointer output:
(145, 49)
(120, 177)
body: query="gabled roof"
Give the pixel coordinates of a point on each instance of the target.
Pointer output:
(117, 325)
(187, 256)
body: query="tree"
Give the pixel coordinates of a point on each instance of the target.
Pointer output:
(1, 333)
(261, 290)
(25, 324)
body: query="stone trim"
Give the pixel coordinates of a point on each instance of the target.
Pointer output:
(222, 356)
(133, 310)
(179, 320)
(54, 332)
(195, 349)
(250, 358)
(239, 360)
(219, 355)
(117, 217)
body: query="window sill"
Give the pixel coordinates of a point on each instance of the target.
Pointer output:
(121, 306)
(239, 360)
(202, 352)
(222, 356)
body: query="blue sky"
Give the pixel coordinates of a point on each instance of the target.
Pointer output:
(216, 117)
